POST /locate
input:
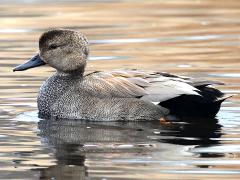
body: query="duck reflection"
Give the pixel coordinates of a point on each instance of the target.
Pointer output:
(201, 132)
(73, 140)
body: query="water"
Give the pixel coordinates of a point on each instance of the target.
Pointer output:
(195, 38)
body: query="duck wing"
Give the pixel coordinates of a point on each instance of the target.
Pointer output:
(183, 96)
(147, 85)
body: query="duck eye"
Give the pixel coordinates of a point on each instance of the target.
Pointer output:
(53, 46)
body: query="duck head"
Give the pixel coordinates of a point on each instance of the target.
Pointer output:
(62, 49)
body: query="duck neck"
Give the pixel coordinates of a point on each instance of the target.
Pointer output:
(74, 74)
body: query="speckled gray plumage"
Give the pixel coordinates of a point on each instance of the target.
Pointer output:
(76, 97)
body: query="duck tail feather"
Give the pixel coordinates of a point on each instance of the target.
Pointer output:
(224, 97)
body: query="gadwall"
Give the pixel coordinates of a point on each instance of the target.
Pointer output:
(117, 95)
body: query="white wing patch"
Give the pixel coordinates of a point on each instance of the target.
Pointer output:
(163, 88)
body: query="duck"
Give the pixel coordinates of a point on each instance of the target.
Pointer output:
(117, 95)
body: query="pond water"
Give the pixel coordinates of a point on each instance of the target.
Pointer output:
(196, 38)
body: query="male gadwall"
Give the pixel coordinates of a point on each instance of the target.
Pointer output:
(113, 96)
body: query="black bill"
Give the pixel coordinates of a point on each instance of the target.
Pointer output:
(35, 61)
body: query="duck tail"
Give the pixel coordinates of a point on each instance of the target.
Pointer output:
(224, 97)
(190, 106)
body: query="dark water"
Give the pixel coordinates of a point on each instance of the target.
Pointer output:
(195, 38)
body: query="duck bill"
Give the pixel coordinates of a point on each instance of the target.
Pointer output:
(35, 61)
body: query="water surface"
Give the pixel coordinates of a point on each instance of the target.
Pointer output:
(195, 38)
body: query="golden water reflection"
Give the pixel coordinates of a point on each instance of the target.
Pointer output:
(196, 38)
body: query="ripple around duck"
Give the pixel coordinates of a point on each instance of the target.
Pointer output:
(15, 30)
(152, 40)
(227, 75)
(99, 58)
